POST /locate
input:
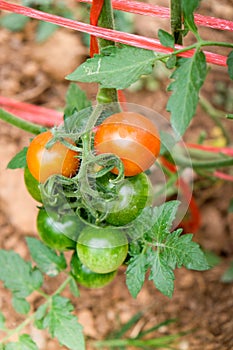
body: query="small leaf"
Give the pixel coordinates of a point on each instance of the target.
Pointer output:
(19, 160)
(46, 258)
(228, 274)
(189, 77)
(116, 68)
(74, 288)
(230, 64)
(18, 275)
(229, 116)
(76, 99)
(45, 30)
(14, 22)
(161, 274)
(2, 321)
(25, 343)
(20, 305)
(63, 325)
(166, 38)
(171, 62)
(188, 8)
(40, 315)
(135, 274)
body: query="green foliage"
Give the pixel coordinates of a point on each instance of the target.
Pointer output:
(25, 343)
(45, 30)
(19, 160)
(18, 275)
(162, 251)
(188, 8)
(230, 64)
(166, 38)
(76, 99)
(46, 258)
(14, 22)
(62, 324)
(228, 274)
(188, 77)
(116, 67)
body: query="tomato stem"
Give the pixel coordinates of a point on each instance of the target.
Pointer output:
(20, 123)
(176, 20)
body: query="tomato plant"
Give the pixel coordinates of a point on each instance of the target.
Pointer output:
(44, 161)
(130, 136)
(58, 232)
(131, 196)
(102, 250)
(87, 278)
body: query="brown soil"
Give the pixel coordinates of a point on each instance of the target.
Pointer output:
(201, 304)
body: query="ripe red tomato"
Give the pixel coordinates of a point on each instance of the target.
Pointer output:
(130, 136)
(58, 159)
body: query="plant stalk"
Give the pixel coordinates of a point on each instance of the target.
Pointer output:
(176, 20)
(20, 123)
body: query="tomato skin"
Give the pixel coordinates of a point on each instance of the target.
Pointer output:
(32, 185)
(87, 278)
(133, 194)
(102, 250)
(58, 159)
(130, 136)
(58, 233)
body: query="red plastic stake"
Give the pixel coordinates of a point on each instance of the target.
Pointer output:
(96, 8)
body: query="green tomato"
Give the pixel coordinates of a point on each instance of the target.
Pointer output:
(87, 278)
(58, 232)
(132, 195)
(102, 249)
(32, 185)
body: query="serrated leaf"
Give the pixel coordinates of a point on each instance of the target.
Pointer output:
(76, 99)
(63, 325)
(14, 22)
(19, 160)
(171, 62)
(46, 258)
(230, 64)
(74, 288)
(18, 275)
(189, 77)
(135, 274)
(20, 305)
(161, 274)
(25, 343)
(119, 69)
(162, 219)
(2, 320)
(188, 8)
(45, 30)
(182, 251)
(40, 315)
(166, 38)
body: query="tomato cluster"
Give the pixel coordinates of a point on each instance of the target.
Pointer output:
(99, 240)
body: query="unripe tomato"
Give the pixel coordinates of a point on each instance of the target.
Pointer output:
(132, 195)
(102, 250)
(130, 136)
(58, 232)
(87, 278)
(58, 159)
(32, 185)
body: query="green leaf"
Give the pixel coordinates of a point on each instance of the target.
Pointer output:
(230, 207)
(20, 305)
(2, 321)
(166, 38)
(189, 77)
(228, 274)
(19, 160)
(63, 325)
(45, 30)
(14, 22)
(46, 258)
(230, 64)
(76, 99)
(180, 250)
(171, 62)
(161, 274)
(25, 343)
(188, 8)
(74, 288)
(18, 275)
(116, 68)
(229, 116)
(135, 274)
(40, 315)
(212, 258)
